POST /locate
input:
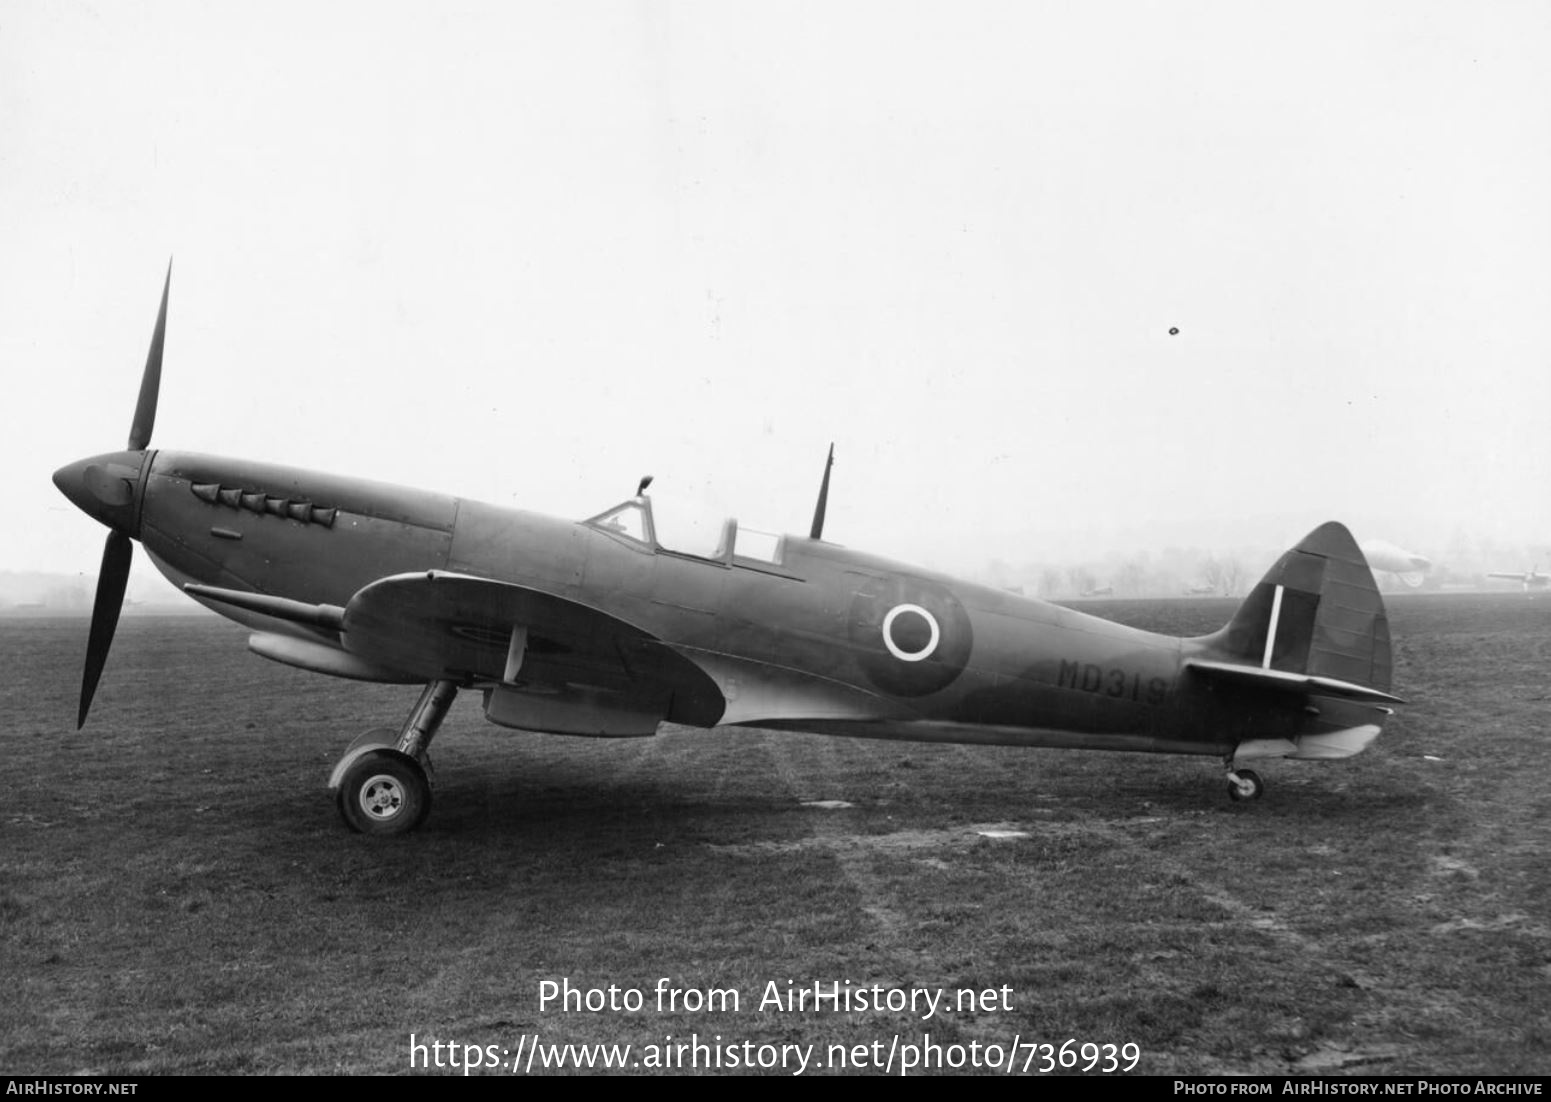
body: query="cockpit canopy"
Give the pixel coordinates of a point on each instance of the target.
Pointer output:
(634, 522)
(631, 519)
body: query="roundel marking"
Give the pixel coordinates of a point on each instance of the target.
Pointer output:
(924, 651)
(909, 636)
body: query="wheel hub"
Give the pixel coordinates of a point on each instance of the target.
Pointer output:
(382, 797)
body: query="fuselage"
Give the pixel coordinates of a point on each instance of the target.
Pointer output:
(884, 648)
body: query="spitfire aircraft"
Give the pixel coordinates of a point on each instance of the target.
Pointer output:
(594, 628)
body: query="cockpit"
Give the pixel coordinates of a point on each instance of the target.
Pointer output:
(634, 522)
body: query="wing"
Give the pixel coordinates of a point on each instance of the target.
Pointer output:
(554, 663)
(505, 636)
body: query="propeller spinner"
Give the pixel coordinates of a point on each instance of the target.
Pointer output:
(108, 488)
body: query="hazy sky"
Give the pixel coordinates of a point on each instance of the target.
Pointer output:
(530, 252)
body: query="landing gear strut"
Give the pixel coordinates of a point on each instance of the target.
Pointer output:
(1244, 784)
(382, 784)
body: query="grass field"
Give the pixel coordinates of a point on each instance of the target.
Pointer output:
(177, 893)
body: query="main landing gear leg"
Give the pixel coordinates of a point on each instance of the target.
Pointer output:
(381, 784)
(1243, 784)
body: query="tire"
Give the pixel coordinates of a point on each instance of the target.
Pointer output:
(384, 793)
(1248, 787)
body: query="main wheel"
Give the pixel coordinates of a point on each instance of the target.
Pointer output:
(384, 792)
(1248, 785)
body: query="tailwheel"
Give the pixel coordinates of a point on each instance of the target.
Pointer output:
(384, 792)
(1244, 784)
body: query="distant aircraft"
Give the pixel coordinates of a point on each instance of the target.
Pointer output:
(1530, 579)
(1205, 589)
(1099, 591)
(594, 628)
(1408, 566)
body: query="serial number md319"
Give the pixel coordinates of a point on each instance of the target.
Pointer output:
(1118, 683)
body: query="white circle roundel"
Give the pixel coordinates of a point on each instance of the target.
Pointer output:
(899, 652)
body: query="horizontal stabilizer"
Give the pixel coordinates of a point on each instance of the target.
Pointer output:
(1284, 681)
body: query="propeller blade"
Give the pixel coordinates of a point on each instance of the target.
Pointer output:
(112, 580)
(151, 380)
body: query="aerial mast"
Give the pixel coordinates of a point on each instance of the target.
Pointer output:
(817, 531)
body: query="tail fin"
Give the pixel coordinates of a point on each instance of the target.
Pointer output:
(1316, 617)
